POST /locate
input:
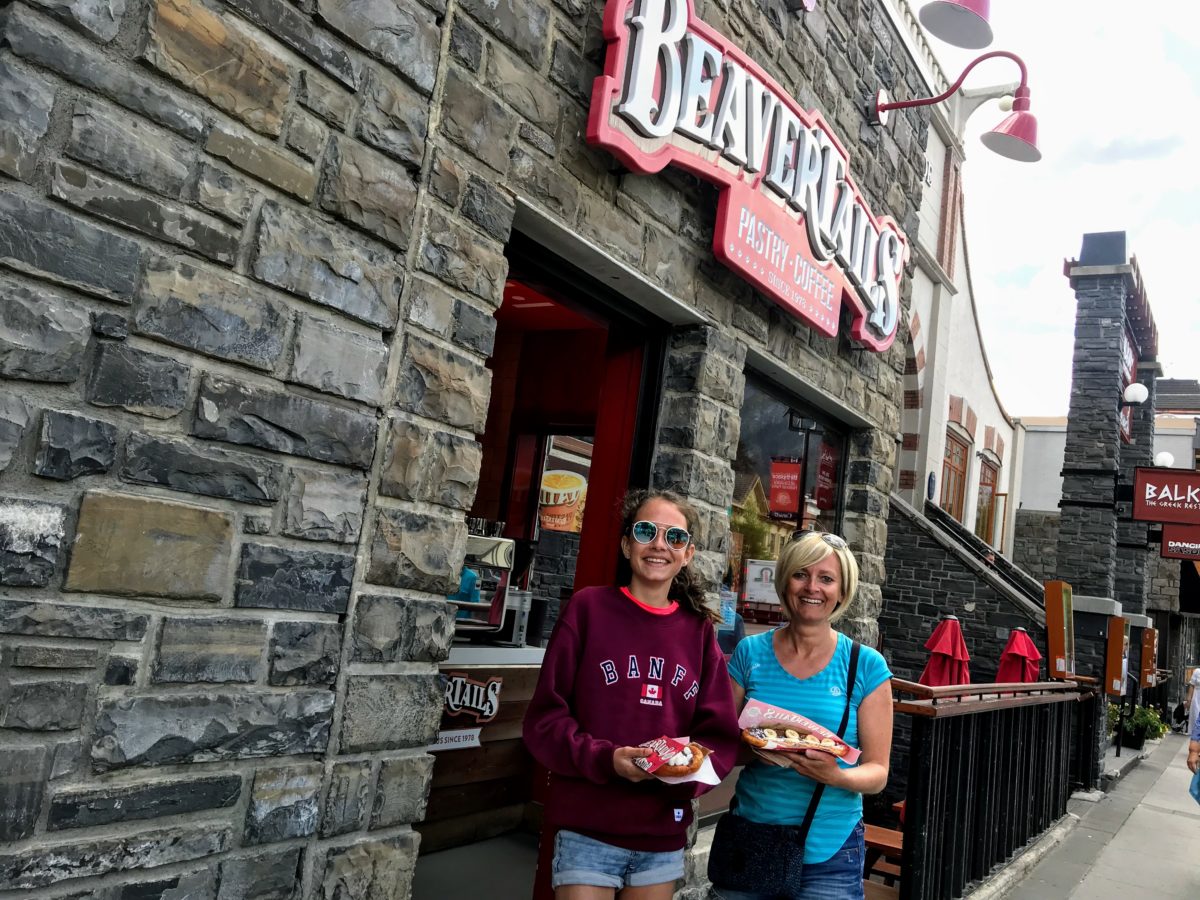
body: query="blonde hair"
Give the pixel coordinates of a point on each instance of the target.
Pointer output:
(808, 550)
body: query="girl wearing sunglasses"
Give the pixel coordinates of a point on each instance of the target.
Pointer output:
(627, 664)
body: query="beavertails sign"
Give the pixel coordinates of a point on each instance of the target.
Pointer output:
(790, 220)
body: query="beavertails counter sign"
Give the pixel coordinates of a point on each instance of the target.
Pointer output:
(790, 220)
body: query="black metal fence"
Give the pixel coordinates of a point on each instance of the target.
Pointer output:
(990, 769)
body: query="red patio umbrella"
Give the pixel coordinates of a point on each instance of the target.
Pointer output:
(1019, 661)
(948, 656)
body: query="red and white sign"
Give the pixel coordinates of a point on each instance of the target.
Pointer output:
(1181, 541)
(1166, 495)
(1128, 373)
(827, 470)
(784, 499)
(790, 220)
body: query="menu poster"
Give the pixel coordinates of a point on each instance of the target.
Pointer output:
(786, 488)
(563, 489)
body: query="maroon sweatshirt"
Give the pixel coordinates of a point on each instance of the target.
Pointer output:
(616, 675)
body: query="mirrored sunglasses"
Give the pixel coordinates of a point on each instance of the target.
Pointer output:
(833, 540)
(644, 532)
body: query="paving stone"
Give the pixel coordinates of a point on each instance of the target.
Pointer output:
(35, 656)
(369, 192)
(138, 381)
(305, 653)
(523, 25)
(45, 241)
(303, 255)
(401, 629)
(259, 158)
(42, 337)
(346, 802)
(154, 799)
(416, 550)
(14, 417)
(403, 790)
(22, 783)
(338, 361)
(43, 705)
(163, 219)
(209, 650)
(124, 146)
(285, 578)
(368, 870)
(217, 58)
(35, 40)
(71, 446)
(476, 122)
(209, 727)
(285, 22)
(37, 618)
(210, 312)
(25, 103)
(31, 536)
(110, 325)
(394, 118)
(99, 19)
(386, 712)
(99, 856)
(401, 33)
(143, 547)
(439, 384)
(324, 507)
(213, 473)
(430, 466)
(267, 875)
(283, 804)
(457, 256)
(306, 134)
(329, 101)
(225, 194)
(277, 420)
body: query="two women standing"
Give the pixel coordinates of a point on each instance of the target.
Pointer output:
(630, 663)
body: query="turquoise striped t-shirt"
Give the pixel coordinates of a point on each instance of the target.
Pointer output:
(774, 795)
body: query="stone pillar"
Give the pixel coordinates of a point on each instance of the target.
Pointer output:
(1132, 549)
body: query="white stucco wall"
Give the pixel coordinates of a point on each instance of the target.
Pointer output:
(1041, 465)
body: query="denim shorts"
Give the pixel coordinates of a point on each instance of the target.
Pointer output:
(838, 878)
(584, 860)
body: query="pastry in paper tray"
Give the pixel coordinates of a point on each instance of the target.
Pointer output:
(676, 760)
(772, 728)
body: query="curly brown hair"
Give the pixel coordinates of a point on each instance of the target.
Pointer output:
(685, 589)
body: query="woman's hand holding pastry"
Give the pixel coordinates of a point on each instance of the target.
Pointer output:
(818, 766)
(623, 765)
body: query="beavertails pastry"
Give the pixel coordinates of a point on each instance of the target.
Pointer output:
(685, 762)
(790, 739)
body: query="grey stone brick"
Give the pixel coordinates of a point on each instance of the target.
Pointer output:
(37, 618)
(212, 473)
(42, 337)
(489, 208)
(390, 712)
(31, 536)
(99, 19)
(401, 629)
(431, 466)
(394, 119)
(209, 650)
(283, 804)
(523, 25)
(306, 134)
(284, 578)
(150, 800)
(399, 32)
(338, 361)
(138, 381)
(260, 158)
(71, 446)
(128, 148)
(43, 705)
(416, 550)
(25, 103)
(285, 22)
(14, 417)
(265, 875)
(21, 790)
(305, 653)
(367, 870)
(523, 89)
(225, 194)
(370, 192)
(346, 802)
(403, 790)
(439, 384)
(476, 122)
(323, 506)
(329, 101)
(35, 656)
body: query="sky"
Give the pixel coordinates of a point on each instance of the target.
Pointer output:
(1116, 91)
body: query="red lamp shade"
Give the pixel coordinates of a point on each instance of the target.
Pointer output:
(1016, 136)
(963, 23)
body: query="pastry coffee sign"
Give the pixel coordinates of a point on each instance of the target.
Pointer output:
(790, 220)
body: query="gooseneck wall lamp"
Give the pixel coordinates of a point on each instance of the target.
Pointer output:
(1014, 138)
(963, 23)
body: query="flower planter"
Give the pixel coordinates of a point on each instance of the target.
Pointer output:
(1133, 738)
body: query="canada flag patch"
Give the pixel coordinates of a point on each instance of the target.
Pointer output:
(651, 691)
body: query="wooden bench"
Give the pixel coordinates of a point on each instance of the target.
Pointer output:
(888, 871)
(873, 890)
(884, 846)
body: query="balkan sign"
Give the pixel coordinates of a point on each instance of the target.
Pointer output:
(1166, 495)
(790, 220)
(1181, 541)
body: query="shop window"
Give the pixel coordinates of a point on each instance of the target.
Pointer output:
(787, 477)
(985, 509)
(954, 475)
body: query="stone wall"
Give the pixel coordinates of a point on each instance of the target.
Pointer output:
(1162, 584)
(249, 256)
(1035, 543)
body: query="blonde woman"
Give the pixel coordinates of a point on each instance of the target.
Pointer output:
(796, 833)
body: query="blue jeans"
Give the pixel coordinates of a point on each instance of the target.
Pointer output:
(583, 860)
(838, 878)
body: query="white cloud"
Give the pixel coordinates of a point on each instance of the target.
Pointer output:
(1113, 87)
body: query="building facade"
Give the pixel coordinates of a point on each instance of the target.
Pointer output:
(303, 303)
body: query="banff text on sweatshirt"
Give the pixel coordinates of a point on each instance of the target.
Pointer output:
(616, 675)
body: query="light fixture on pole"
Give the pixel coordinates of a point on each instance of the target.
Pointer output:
(963, 23)
(1135, 394)
(1164, 459)
(1014, 138)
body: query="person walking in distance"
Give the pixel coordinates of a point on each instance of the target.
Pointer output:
(625, 665)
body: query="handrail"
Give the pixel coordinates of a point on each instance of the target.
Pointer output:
(927, 692)
(969, 699)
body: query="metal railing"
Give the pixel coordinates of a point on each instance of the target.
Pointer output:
(990, 769)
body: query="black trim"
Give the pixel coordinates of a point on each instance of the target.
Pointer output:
(1095, 473)
(1088, 504)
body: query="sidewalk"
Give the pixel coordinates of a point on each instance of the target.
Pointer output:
(1141, 840)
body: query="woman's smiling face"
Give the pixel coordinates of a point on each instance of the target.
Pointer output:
(813, 593)
(656, 563)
